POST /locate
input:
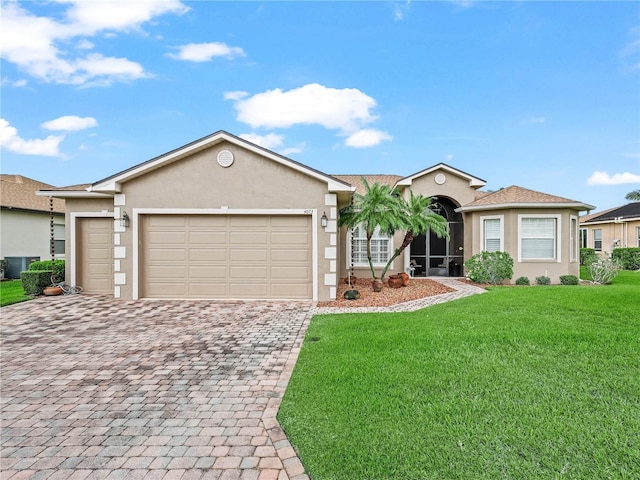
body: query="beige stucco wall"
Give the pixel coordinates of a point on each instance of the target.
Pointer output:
(456, 188)
(625, 232)
(528, 268)
(27, 234)
(199, 182)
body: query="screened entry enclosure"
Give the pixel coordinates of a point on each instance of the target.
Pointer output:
(433, 256)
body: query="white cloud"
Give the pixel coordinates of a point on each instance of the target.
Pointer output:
(70, 123)
(603, 178)
(270, 140)
(35, 43)
(204, 52)
(288, 151)
(400, 10)
(347, 110)
(367, 137)
(10, 140)
(631, 50)
(533, 120)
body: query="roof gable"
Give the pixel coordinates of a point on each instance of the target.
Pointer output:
(113, 183)
(19, 192)
(356, 180)
(515, 196)
(474, 182)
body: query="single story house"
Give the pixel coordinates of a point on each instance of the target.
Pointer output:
(617, 227)
(224, 218)
(25, 223)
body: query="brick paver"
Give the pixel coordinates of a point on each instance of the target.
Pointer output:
(93, 387)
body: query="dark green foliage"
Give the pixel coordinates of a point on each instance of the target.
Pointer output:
(627, 258)
(46, 265)
(543, 280)
(523, 281)
(490, 267)
(569, 280)
(587, 256)
(34, 281)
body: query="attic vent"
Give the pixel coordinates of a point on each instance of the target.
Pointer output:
(440, 179)
(225, 158)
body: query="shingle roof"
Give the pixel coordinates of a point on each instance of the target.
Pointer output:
(515, 194)
(630, 210)
(19, 192)
(356, 180)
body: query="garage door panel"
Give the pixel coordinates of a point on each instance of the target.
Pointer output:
(227, 256)
(197, 272)
(207, 238)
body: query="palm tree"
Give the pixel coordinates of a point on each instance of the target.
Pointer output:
(419, 219)
(634, 196)
(380, 207)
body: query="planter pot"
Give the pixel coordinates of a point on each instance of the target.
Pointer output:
(405, 278)
(395, 281)
(377, 285)
(50, 291)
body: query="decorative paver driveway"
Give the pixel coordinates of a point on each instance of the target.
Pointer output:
(99, 388)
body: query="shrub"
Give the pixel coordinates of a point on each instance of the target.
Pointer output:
(543, 280)
(34, 281)
(604, 270)
(629, 258)
(523, 281)
(490, 267)
(587, 256)
(569, 280)
(58, 266)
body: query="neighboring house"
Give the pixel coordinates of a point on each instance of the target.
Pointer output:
(224, 218)
(25, 223)
(613, 228)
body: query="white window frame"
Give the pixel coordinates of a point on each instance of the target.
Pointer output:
(558, 238)
(574, 239)
(596, 240)
(638, 234)
(483, 240)
(586, 237)
(376, 236)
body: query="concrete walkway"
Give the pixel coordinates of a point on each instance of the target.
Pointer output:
(98, 388)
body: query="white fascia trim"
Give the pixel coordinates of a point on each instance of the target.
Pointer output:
(611, 221)
(72, 194)
(73, 218)
(558, 218)
(135, 226)
(502, 206)
(473, 181)
(113, 184)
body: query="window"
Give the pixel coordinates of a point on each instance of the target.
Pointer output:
(573, 240)
(58, 239)
(380, 248)
(597, 240)
(638, 229)
(539, 237)
(492, 234)
(583, 238)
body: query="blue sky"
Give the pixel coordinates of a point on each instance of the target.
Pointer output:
(545, 95)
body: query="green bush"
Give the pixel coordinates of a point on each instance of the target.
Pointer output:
(58, 266)
(490, 267)
(523, 281)
(543, 280)
(587, 256)
(569, 280)
(629, 258)
(34, 281)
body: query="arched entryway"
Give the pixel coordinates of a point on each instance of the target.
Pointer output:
(433, 256)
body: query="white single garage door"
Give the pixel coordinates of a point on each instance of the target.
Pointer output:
(95, 255)
(226, 256)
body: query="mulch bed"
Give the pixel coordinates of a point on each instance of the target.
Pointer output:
(417, 288)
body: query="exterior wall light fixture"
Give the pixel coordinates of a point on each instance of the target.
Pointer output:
(324, 221)
(124, 220)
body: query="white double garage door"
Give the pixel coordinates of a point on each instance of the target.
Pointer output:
(225, 256)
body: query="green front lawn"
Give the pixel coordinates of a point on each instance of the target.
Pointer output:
(11, 292)
(521, 382)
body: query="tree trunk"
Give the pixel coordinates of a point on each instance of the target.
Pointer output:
(373, 270)
(408, 238)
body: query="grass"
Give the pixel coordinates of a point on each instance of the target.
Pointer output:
(527, 382)
(11, 292)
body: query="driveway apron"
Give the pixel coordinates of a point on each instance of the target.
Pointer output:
(94, 387)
